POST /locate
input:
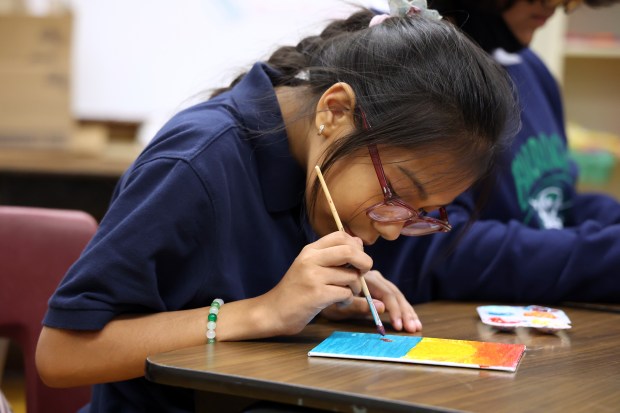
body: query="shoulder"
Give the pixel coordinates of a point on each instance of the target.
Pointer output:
(536, 65)
(192, 130)
(539, 75)
(524, 64)
(533, 69)
(190, 151)
(532, 79)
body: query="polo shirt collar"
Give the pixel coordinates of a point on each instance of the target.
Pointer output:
(282, 180)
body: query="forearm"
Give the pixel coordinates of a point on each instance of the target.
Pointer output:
(117, 352)
(514, 263)
(597, 207)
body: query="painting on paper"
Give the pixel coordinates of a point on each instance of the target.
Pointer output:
(421, 350)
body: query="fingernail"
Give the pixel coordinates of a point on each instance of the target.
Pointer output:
(398, 324)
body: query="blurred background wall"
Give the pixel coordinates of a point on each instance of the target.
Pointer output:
(103, 75)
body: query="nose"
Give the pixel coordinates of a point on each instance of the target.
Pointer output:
(388, 230)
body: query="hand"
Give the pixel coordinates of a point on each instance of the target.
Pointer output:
(386, 297)
(316, 279)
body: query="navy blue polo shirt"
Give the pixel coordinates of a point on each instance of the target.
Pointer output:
(211, 208)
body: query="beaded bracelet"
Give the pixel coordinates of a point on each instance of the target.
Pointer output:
(212, 319)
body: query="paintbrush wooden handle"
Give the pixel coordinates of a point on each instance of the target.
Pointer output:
(332, 207)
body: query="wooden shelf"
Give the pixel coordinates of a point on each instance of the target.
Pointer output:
(578, 49)
(111, 161)
(611, 187)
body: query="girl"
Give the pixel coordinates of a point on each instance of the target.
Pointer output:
(537, 239)
(402, 116)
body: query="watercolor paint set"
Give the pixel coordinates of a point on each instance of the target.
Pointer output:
(421, 350)
(506, 317)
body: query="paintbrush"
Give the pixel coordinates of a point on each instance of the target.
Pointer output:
(332, 207)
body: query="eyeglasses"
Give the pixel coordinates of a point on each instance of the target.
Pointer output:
(394, 209)
(569, 5)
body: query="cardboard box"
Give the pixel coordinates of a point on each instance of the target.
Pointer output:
(35, 72)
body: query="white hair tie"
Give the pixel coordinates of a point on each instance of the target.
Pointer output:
(406, 8)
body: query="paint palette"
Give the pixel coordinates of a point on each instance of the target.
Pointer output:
(421, 350)
(506, 317)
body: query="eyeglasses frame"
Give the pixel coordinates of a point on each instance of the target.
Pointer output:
(389, 198)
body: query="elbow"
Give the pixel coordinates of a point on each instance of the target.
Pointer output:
(52, 366)
(47, 372)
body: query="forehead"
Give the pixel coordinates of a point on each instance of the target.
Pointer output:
(426, 174)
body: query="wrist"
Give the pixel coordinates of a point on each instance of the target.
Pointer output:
(245, 319)
(212, 319)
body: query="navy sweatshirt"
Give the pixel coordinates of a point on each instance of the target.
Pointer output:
(536, 239)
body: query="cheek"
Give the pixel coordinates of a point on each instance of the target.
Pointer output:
(516, 19)
(322, 220)
(354, 188)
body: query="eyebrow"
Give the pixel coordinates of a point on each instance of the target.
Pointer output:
(416, 182)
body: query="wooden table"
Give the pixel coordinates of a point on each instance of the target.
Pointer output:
(577, 370)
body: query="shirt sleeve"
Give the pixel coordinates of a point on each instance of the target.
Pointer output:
(138, 251)
(595, 207)
(505, 261)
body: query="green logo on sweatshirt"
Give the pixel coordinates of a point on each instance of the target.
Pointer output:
(540, 169)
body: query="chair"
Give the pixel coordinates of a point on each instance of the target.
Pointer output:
(37, 247)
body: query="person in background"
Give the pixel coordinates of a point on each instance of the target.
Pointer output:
(535, 239)
(220, 227)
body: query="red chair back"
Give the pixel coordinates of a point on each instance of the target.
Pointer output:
(37, 247)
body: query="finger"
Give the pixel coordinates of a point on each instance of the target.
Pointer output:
(340, 277)
(410, 320)
(335, 295)
(356, 286)
(338, 238)
(402, 314)
(357, 307)
(342, 249)
(343, 255)
(407, 319)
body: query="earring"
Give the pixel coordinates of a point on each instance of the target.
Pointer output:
(321, 128)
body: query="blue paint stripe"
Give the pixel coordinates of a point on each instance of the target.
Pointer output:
(365, 344)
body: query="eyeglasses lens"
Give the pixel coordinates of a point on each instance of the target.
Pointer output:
(389, 213)
(421, 228)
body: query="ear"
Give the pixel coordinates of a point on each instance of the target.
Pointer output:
(335, 110)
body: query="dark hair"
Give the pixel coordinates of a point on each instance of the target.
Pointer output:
(483, 20)
(423, 85)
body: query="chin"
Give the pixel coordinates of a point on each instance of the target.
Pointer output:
(525, 38)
